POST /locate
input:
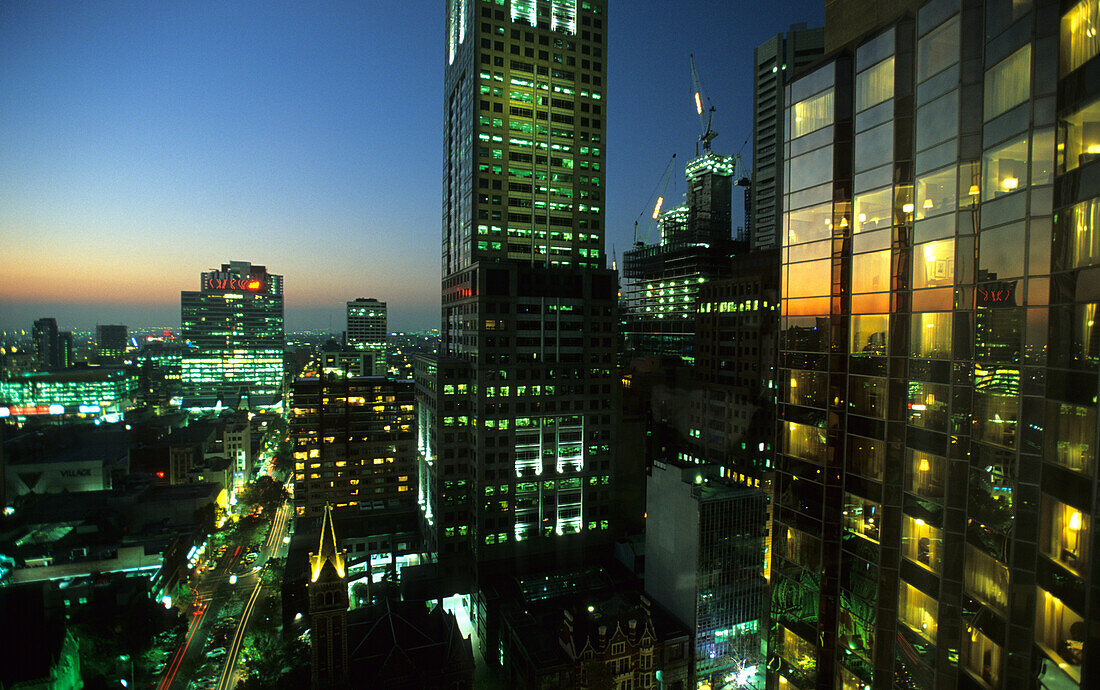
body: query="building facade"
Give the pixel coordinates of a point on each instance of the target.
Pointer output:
(234, 324)
(774, 64)
(111, 340)
(705, 558)
(366, 331)
(528, 307)
(663, 280)
(44, 340)
(936, 476)
(354, 442)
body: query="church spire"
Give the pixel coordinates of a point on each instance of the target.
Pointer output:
(327, 550)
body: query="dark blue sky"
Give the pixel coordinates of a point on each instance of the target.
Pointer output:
(141, 143)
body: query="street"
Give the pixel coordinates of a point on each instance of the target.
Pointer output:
(225, 599)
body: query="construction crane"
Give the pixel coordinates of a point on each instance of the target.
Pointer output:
(706, 119)
(658, 192)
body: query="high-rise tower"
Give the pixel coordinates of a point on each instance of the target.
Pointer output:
(936, 475)
(775, 63)
(234, 324)
(516, 413)
(366, 330)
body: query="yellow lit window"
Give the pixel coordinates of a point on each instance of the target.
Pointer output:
(1060, 632)
(922, 543)
(918, 611)
(1080, 42)
(986, 578)
(1064, 534)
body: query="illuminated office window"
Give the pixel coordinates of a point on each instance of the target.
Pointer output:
(1064, 534)
(918, 611)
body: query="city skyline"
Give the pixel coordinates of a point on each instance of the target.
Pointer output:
(290, 158)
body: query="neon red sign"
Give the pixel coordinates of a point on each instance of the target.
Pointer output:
(244, 284)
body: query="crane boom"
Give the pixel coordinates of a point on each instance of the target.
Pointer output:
(705, 121)
(659, 192)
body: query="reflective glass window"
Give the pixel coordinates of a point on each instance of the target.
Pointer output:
(811, 169)
(1042, 157)
(867, 396)
(804, 441)
(1060, 631)
(934, 264)
(875, 84)
(938, 50)
(871, 272)
(874, 147)
(1079, 35)
(936, 193)
(995, 418)
(810, 224)
(1001, 252)
(811, 114)
(918, 611)
(928, 405)
(1008, 83)
(1084, 234)
(862, 517)
(922, 543)
(930, 335)
(938, 121)
(807, 388)
(869, 334)
(1064, 534)
(982, 656)
(1004, 169)
(1070, 436)
(800, 548)
(866, 457)
(986, 578)
(808, 279)
(924, 474)
(1080, 137)
(873, 210)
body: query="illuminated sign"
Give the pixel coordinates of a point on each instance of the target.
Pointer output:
(1001, 294)
(215, 282)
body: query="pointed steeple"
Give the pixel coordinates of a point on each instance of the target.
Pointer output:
(327, 550)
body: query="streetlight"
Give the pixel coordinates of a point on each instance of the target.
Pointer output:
(126, 657)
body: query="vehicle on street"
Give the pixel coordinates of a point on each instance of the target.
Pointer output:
(216, 653)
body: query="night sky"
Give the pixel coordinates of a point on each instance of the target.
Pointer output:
(142, 143)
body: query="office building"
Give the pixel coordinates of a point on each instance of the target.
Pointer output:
(110, 340)
(705, 557)
(366, 331)
(353, 442)
(936, 473)
(737, 319)
(47, 348)
(663, 279)
(234, 327)
(516, 449)
(96, 392)
(775, 62)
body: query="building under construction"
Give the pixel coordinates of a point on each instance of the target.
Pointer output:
(663, 279)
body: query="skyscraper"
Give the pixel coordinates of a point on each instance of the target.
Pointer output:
(110, 340)
(47, 349)
(775, 62)
(353, 441)
(366, 330)
(516, 413)
(936, 475)
(234, 325)
(664, 279)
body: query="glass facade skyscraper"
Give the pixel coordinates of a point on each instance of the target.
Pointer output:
(516, 417)
(234, 326)
(935, 491)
